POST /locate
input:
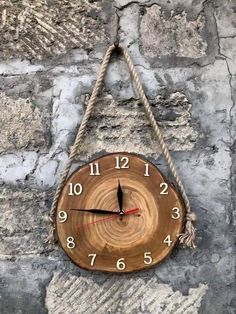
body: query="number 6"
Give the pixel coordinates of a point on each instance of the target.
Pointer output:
(120, 264)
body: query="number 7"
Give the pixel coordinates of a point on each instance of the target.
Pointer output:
(93, 258)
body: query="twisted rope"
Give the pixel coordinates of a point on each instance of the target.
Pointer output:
(187, 238)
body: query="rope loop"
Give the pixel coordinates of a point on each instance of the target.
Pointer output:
(188, 237)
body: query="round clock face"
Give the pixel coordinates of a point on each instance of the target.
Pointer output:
(118, 214)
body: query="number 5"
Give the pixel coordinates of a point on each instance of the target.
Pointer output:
(147, 258)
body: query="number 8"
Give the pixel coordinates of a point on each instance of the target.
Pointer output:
(70, 242)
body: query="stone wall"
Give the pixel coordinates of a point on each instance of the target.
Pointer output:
(50, 52)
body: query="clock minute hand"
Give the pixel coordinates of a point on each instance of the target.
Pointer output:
(120, 198)
(96, 211)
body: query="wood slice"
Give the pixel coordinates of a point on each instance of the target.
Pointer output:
(136, 240)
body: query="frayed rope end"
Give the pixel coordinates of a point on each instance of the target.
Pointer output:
(187, 238)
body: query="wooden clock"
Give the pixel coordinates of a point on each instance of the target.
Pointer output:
(118, 213)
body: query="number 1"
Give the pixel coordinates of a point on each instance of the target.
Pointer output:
(146, 173)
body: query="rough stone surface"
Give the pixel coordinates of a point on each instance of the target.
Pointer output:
(108, 131)
(129, 295)
(184, 52)
(175, 35)
(41, 29)
(23, 222)
(21, 124)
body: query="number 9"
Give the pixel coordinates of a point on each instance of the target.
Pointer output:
(62, 216)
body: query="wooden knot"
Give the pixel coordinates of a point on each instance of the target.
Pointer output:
(191, 216)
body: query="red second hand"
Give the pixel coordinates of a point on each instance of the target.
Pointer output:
(130, 211)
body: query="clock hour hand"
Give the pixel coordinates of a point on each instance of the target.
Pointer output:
(120, 198)
(96, 211)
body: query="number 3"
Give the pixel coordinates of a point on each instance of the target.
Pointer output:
(176, 214)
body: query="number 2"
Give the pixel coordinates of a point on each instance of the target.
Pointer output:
(164, 187)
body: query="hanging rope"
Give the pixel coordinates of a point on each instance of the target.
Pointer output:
(187, 238)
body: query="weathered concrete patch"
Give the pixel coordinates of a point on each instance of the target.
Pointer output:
(161, 36)
(123, 126)
(21, 124)
(46, 28)
(67, 293)
(48, 170)
(225, 12)
(23, 221)
(22, 284)
(16, 167)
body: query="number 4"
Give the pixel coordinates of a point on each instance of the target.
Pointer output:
(168, 240)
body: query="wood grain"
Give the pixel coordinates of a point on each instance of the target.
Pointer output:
(115, 238)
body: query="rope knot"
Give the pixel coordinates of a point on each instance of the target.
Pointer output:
(191, 216)
(187, 238)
